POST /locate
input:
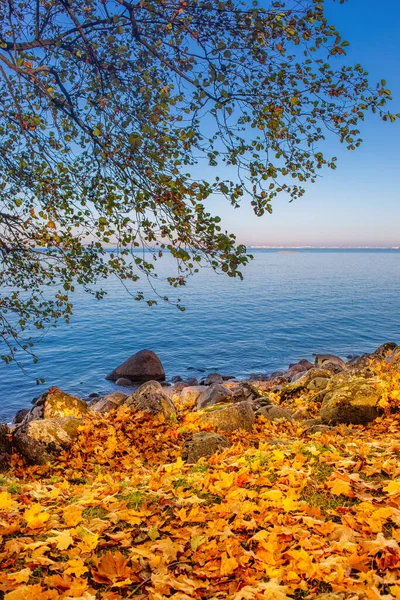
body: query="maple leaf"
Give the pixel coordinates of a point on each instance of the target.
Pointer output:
(6, 501)
(35, 517)
(31, 592)
(228, 565)
(21, 576)
(112, 570)
(72, 515)
(75, 566)
(340, 487)
(63, 539)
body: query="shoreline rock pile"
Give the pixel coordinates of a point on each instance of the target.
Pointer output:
(319, 396)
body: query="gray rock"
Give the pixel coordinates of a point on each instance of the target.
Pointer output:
(356, 402)
(60, 404)
(212, 378)
(41, 441)
(245, 392)
(203, 444)
(384, 349)
(150, 397)
(237, 416)
(176, 379)
(124, 382)
(318, 428)
(109, 402)
(273, 413)
(142, 366)
(190, 381)
(190, 394)
(329, 361)
(213, 394)
(19, 416)
(176, 388)
(319, 383)
(299, 386)
(300, 414)
(5, 448)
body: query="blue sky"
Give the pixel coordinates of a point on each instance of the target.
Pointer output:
(359, 203)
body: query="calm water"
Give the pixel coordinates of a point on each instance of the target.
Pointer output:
(289, 306)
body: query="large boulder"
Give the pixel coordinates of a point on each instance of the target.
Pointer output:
(60, 404)
(204, 443)
(213, 394)
(150, 397)
(40, 441)
(56, 403)
(5, 447)
(142, 366)
(237, 416)
(356, 402)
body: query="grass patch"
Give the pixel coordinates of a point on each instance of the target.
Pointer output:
(95, 512)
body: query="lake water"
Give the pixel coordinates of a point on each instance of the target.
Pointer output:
(289, 306)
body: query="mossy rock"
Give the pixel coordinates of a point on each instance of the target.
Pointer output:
(357, 403)
(203, 444)
(41, 441)
(230, 418)
(151, 398)
(60, 404)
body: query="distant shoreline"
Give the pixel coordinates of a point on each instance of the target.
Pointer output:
(324, 247)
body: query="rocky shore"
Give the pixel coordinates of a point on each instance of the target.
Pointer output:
(318, 395)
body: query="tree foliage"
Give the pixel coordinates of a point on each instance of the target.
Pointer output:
(112, 114)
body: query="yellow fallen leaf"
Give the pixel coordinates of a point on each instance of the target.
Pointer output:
(72, 515)
(392, 488)
(228, 565)
(63, 539)
(339, 487)
(20, 576)
(35, 517)
(75, 566)
(5, 501)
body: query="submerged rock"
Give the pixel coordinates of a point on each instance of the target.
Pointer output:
(203, 444)
(213, 394)
(237, 416)
(124, 382)
(151, 398)
(142, 366)
(356, 402)
(42, 441)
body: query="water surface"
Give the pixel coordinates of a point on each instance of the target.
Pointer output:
(289, 306)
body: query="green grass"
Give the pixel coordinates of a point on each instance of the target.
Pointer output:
(95, 512)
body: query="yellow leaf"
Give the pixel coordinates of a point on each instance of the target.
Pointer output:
(63, 539)
(75, 566)
(228, 565)
(35, 517)
(20, 576)
(72, 515)
(5, 501)
(338, 487)
(392, 488)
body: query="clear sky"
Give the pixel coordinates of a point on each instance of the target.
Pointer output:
(359, 203)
